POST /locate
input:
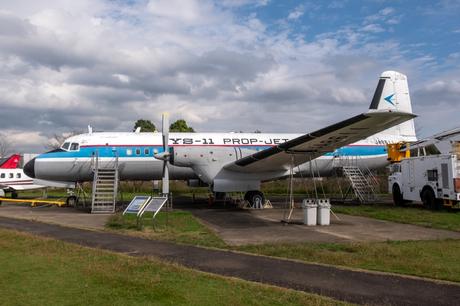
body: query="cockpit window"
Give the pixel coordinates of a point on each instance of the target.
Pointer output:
(74, 147)
(65, 146)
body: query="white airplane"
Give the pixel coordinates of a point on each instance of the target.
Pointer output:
(230, 162)
(13, 179)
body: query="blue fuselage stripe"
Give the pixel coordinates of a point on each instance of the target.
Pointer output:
(149, 151)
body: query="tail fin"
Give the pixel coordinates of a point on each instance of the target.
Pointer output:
(11, 162)
(392, 93)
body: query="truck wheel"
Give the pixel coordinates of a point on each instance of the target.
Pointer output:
(397, 195)
(429, 199)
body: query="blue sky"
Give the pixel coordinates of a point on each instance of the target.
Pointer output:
(228, 65)
(430, 28)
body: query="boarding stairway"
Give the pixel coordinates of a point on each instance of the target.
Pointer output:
(105, 186)
(362, 182)
(361, 185)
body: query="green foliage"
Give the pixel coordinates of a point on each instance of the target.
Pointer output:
(434, 259)
(181, 126)
(145, 125)
(39, 271)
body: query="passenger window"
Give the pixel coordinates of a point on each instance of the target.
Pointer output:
(146, 152)
(74, 147)
(2, 175)
(11, 175)
(18, 175)
(138, 151)
(129, 152)
(65, 146)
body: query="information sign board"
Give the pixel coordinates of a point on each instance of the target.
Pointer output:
(154, 205)
(137, 204)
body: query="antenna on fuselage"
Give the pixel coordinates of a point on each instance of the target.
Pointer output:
(90, 129)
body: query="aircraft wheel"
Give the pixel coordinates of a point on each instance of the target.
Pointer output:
(255, 198)
(71, 201)
(14, 195)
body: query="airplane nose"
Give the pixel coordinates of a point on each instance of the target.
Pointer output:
(29, 168)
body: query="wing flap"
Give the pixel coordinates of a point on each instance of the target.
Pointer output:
(310, 146)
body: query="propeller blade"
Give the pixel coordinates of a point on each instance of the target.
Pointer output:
(165, 181)
(165, 155)
(165, 132)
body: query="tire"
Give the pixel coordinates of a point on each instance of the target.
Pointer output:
(71, 201)
(429, 200)
(398, 199)
(255, 198)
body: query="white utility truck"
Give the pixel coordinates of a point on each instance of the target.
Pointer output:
(431, 174)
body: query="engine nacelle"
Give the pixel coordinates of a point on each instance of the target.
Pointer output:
(206, 162)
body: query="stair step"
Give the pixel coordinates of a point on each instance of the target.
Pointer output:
(105, 187)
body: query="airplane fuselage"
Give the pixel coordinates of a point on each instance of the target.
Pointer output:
(135, 152)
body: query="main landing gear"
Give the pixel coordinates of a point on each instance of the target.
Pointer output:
(255, 198)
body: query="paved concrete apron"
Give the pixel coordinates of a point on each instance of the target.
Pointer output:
(238, 227)
(352, 286)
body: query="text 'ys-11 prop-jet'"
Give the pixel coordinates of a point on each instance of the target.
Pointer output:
(239, 162)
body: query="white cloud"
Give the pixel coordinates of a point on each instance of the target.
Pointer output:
(189, 11)
(67, 64)
(374, 28)
(296, 13)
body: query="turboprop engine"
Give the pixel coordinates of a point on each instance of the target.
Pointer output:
(206, 162)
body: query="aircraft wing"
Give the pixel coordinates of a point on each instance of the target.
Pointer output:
(310, 146)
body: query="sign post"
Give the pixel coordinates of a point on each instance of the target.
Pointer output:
(153, 205)
(136, 206)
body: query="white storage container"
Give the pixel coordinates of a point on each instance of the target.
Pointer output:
(309, 207)
(324, 212)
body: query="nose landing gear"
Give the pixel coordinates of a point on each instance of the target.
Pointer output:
(255, 198)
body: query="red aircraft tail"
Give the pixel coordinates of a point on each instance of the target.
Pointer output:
(12, 162)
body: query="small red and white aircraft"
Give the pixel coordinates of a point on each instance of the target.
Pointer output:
(13, 178)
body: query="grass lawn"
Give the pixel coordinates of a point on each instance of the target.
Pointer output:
(177, 226)
(448, 220)
(433, 259)
(39, 271)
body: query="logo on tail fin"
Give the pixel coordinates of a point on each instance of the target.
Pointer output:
(389, 99)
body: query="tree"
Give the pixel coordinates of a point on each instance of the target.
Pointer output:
(5, 145)
(181, 126)
(145, 125)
